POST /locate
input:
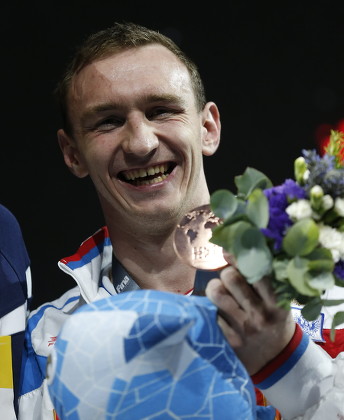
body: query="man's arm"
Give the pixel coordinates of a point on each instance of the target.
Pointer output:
(293, 372)
(15, 295)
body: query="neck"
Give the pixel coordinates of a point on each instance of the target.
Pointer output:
(144, 245)
(153, 264)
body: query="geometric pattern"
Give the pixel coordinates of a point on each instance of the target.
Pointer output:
(148, 354)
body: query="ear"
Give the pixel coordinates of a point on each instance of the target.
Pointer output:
(211, 129)
(71, 154)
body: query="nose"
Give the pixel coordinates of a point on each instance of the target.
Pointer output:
(140, 138)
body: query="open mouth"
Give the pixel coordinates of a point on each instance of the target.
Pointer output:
(147, 176)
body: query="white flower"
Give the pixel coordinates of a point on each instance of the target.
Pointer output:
(299, 209)
(327, 202)
(317, 191)
(306, 175)
(339, 206)
(333, 240)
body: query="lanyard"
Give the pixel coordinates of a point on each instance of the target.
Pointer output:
(123, 282)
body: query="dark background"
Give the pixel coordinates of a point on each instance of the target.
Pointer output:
(276, 73)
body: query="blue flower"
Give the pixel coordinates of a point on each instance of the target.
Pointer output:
(279, 198)
(339, 270)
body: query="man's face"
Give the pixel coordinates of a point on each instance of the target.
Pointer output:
(139, 135)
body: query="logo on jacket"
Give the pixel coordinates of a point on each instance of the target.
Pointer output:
(52, 340)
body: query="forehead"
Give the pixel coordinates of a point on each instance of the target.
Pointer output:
(151, 67)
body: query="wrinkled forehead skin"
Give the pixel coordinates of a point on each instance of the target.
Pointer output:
(147, 70)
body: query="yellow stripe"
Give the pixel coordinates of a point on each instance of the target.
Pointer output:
(6, 375)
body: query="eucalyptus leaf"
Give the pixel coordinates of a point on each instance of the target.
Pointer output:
(257, 208)
(339, 281)
(320, 253)
(239, 214)
(301, 238)
(254, 258)
(322, 281)
(312, 309)
(299, 276)
(337, 320)
(250, 180)
(250, 237)
(280, 269)
(320, 259)
(228, 236)
(254, 263)
(332, 302)
(223, 203)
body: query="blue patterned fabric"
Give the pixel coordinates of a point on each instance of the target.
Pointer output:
(147, 354)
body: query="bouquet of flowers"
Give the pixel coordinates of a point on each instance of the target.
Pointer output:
(293, 233)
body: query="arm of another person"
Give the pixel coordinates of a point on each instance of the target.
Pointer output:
(15, 295)
(295, 375)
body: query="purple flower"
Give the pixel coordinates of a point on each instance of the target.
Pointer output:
(339, 270)
(279, 199)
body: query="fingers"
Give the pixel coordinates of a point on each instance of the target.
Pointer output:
(249, 318)
(228, 306)
(231, 316)
(237, 286)
(256, 297)
(233, 337)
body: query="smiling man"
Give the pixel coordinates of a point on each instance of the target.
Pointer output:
(142, 145)
(137, 122)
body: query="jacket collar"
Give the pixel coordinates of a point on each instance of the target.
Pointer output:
(87, 266)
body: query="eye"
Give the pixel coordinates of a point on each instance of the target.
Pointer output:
(161, 112)
(109, 123)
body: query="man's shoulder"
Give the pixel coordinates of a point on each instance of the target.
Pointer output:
(11, 234)
(15, 274)
(63, 303)
(45, 322)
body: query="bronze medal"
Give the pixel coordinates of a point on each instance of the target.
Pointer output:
(191, 240)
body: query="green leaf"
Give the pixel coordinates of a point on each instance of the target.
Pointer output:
(253, 257)
(337, 320)
(280, 269)
(321, 281)
(250, 180)
(320, 259)
(332, 302)
(257, 208)
(301, 238)
(299, 276)
(223, 203)
(339, 282)
(228, 236)
(239, 214)
(312, 309)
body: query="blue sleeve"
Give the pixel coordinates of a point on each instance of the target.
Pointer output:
(14, 263)
(15, 297)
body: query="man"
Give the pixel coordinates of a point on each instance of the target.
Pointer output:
(15, 298)
(137, 122)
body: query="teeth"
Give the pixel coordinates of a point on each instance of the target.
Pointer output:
(142, 173)
(152, 181)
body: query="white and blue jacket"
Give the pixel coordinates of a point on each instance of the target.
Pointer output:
(90, 267)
